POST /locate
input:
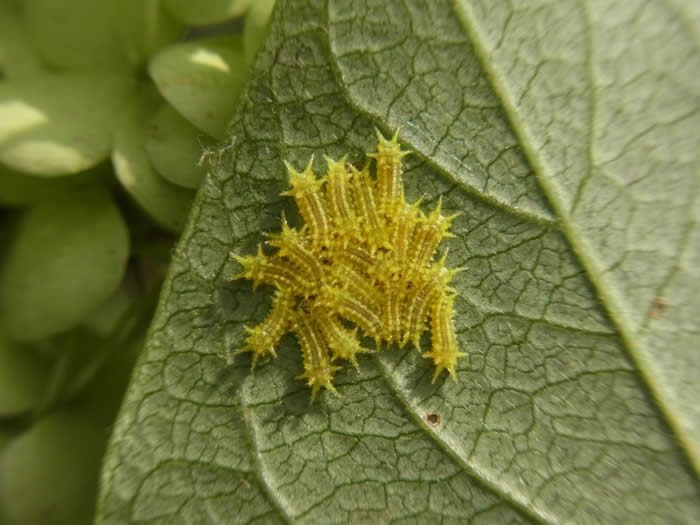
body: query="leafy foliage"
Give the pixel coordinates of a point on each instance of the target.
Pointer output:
(87, 145)
(88, 244)
(564, 133)
(574, 404)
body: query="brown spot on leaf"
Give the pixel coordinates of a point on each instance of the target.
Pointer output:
(657, 309)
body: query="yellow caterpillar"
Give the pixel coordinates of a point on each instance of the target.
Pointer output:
(364, 261)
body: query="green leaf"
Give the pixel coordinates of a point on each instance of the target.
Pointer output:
(613, 146)
(58, 124)
(255, 29)
(207, 11)
(175, 148)
(49, 473)
(6, 437)
(104, 393)
(202, 80)
(16, 55)
(22, 378)
(104, 319)
(20, 189)
(166, 203)
(73, 34)
(106, 36)
(65, 258)
(144, 28)
(550, 420)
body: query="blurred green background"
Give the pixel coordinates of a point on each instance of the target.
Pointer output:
(110, 112)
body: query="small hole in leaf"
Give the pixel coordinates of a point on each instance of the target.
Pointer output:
(432, 418)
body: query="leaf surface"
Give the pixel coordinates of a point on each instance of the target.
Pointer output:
(47, 473)
(16, 56)
(83, 35)
(553, 419)
(175, 148)
(202, 80)
(65, 257)
(207, 11)
(54, 124)
(612, 142)
(165, 202)
(255, 29)
(20, 189)
(22, 379)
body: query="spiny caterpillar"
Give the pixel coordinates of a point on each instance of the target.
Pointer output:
(362, 262)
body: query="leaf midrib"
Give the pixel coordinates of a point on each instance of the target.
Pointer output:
(533, 218)
(610, 300)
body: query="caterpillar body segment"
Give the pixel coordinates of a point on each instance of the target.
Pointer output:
(310, 199)
(389, 189)
(339, 197)
(358, 285)
(401, 235)
(318, 367)
(353, 309)
(444, 352)
(392, 317)
(418, 304)
(429, 233)
(264, 338)
(366, 206)
(272, 270)
(343, 342)
(293, 246)
(355, 255)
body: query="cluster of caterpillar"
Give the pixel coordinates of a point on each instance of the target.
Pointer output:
(363, 261)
